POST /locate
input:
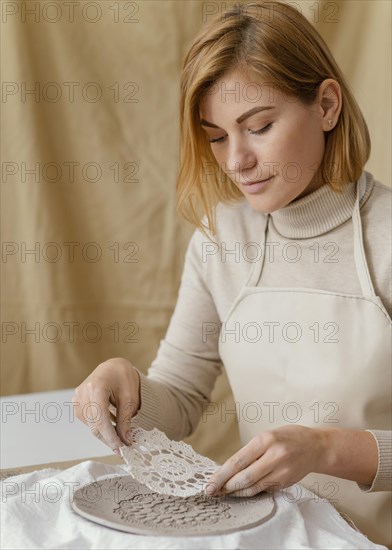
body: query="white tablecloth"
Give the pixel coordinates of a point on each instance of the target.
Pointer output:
(36, 513)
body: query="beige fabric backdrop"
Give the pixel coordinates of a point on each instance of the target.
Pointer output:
(92, 250)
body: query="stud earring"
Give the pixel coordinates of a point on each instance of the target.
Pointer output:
(330, 122)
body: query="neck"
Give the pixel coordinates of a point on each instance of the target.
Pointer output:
(318, 211)
(315, 184)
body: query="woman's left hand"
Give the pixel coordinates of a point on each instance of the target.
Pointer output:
(275, 458)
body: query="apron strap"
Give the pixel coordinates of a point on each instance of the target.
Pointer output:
(359, 252)
(257, 267)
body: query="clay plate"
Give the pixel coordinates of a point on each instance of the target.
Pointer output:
(123, 503)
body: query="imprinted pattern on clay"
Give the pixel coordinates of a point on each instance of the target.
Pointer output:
(166, 511)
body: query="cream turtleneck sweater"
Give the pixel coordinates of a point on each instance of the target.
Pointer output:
(309, 243)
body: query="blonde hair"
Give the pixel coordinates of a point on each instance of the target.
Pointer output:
(275, 42)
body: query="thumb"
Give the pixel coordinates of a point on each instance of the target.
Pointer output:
(125, 410)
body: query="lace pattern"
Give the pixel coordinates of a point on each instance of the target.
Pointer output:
(165, 466)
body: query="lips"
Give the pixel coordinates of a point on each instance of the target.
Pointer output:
(252, 188)
(253, 182)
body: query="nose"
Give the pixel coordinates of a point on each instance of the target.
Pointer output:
(240, 161)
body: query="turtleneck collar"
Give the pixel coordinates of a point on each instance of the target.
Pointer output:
(319, 211)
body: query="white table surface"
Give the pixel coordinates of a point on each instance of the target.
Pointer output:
(38, 428)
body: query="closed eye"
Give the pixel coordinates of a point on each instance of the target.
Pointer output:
(256, 132)
(265, 129)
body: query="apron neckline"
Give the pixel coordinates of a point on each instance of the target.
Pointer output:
(361, 264)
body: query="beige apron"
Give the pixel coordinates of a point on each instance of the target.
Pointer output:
(314, 358)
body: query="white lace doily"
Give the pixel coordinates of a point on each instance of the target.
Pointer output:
(165, 466)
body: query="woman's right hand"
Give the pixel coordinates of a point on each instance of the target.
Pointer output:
(111, 393)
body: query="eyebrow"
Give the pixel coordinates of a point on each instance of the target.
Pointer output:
(240, 118)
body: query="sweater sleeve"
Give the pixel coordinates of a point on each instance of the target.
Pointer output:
(383, 479)
(182, 376)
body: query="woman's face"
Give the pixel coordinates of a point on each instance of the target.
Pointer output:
(284, 142)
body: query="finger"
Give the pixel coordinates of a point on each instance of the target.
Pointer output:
(248, 477)
(251, 491)
(263, 485)
(99, 420)
(238, 462)
(126, 409)
(112, 411)
(224, 473)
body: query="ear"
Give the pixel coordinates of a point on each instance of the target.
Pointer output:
(330, 102)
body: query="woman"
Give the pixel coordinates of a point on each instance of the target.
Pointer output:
(291, 295)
